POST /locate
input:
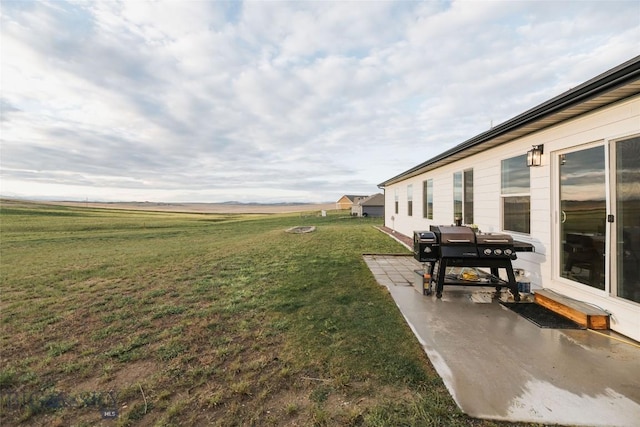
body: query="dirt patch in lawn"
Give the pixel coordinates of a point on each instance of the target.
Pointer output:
(301, 229)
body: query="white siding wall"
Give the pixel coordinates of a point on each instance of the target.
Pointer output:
(618, 120)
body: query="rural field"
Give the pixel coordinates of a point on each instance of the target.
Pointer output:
(126, 317)
(224, 208)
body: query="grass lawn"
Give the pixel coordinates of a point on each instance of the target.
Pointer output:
(204, 319)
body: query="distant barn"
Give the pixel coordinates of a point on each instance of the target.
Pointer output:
(348, 201)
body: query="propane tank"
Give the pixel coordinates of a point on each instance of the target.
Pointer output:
(523, 280)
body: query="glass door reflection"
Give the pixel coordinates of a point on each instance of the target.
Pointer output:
(627, 219)
(583, 216)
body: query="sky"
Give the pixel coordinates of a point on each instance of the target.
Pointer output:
(275, 101)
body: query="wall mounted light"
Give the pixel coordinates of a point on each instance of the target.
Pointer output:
(534, 156)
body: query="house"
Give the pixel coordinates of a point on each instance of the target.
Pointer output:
(372, 206)
(347, 201)
(563, 176)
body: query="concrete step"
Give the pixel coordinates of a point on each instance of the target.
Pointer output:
(580, 312)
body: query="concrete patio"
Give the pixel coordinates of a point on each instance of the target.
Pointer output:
(498, 365)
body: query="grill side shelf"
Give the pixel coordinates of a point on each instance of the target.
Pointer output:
(519, 246)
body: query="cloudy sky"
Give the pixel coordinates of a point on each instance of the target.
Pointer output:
(275, 101)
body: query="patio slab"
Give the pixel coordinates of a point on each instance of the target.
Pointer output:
(498, 365)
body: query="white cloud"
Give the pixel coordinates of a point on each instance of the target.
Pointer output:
(275, 100)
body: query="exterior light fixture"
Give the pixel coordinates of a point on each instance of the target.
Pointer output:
(534, 156)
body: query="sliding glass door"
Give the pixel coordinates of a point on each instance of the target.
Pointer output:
(627, 219)
(599, 217)
(583, 211)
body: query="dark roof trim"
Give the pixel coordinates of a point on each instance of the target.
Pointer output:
(374, 200)
(619, 76)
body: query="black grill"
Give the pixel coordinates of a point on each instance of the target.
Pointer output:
(460, 246)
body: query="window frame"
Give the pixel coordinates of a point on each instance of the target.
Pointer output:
(463, 205)
(427, 198)
(396, 200)
(457, 196)
(515, 196)
(467, 196)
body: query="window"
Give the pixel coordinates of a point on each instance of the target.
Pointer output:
(463, 196)
(457, 196)
(515, 194)
(410, 200)
(427, 199)
(396, 199)
(468, 196)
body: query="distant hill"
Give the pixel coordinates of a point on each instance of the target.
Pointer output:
(224, 207)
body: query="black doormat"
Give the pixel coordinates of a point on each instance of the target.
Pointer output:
(541, 316)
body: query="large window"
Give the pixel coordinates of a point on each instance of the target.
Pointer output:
(427, 199)
(515, 194)
(410, 200)
(463, 196)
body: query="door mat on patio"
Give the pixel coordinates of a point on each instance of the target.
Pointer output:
(541, 316)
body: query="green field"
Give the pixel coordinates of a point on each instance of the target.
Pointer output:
(204, 319)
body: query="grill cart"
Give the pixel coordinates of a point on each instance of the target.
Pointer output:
(443, 247)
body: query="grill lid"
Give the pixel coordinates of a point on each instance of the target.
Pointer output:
(424, 237)
(454, 235)
(456, 241)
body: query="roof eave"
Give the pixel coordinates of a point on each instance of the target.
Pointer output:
(624, 74)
